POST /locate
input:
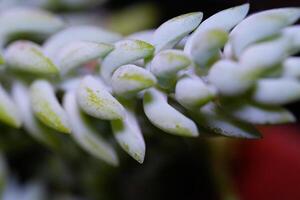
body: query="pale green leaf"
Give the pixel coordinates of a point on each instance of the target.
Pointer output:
(78, 53)
(35, 128)
(8, 111)
(173, 30)
(260, 26)
(166, 64)
(28, 20)
(28, 57)
(256, 114)
(209, 117)
(128, 80)
(129, 136)
(291, 68)
(192, 92)
(224, 20)
(55, 43)
(47, 108)
(277, 91)
(229, 78)
(165, 117)
(96, 101)
(125, 52)
(84, 135)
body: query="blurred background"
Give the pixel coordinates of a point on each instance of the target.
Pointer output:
(175, 168)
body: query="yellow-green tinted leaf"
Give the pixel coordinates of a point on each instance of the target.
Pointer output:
(47, 108)
(96, 101)
(35, 128)
(129, 136)
(125, 52)
(28, 57)
(166, 64)
(84, 135)
(8, 111)
(128, 80)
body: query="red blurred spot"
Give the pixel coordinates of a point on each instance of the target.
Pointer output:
(270, 168)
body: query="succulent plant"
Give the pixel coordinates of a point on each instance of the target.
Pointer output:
(219, 77)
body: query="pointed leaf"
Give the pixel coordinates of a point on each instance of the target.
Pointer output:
(84, 135)
(31, 124)
(260, 26)
(125, 52)
(173, 30)
(129, 136)
(96, 101)
(47, 108)
(165, 117)
(224, 20)
(128, 80)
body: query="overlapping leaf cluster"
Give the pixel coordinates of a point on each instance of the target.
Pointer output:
(216, 77)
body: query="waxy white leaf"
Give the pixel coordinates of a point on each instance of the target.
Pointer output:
(293, 32)
(291, 68)
(129, 136)
(165, 117)
(173, 30)
(35, 128)
(27, 57)
(28, 20)
(224, 20)
(128, 80)
(166, 64)
(277, 91)
(262, 115)
(206, 47)
(55, 43)
(47, 108)
(125, 52)
(260, 26)
(96, 101)
(229, 78)
(8, 111)
(78, 53)
(146, 36)
(84, 135)
(262, 57)
(192, 92)
(209, 117)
